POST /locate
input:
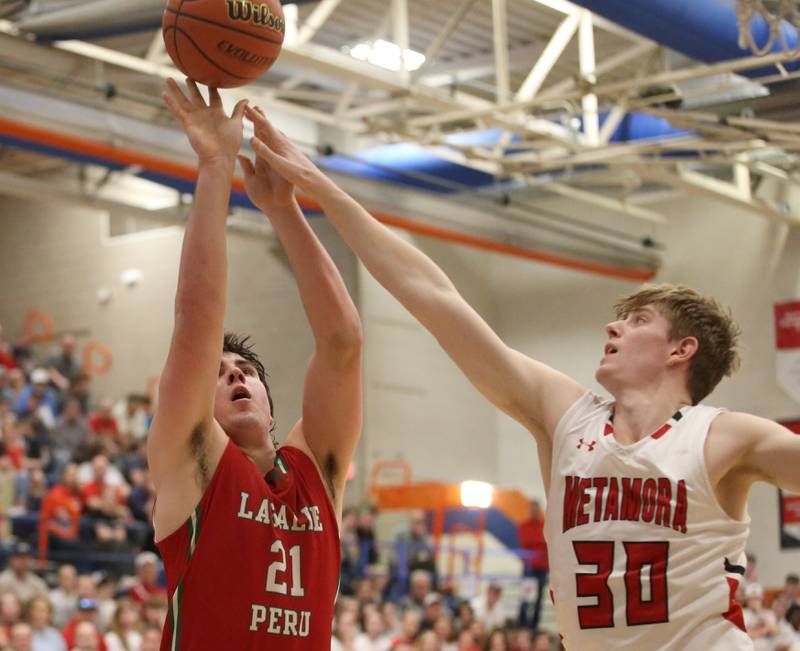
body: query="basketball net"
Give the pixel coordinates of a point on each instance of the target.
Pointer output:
(774, 12)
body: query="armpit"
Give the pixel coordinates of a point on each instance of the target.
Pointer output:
(198, 446)
(329, 470)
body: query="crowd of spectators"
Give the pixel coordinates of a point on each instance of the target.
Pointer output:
(80, 572)
(75, 504)
(772, 619)
(392, 599)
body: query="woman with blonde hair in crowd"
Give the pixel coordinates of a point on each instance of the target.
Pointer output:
(373, 637)
(345, 631)
(124, 634)
(39, 614)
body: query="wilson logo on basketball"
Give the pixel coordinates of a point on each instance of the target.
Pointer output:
(260, 14)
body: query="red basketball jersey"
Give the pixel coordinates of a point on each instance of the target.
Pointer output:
(256, 566)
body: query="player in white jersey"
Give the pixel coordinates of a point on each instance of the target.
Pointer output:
(647, 494)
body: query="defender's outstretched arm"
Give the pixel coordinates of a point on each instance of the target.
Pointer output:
(531, 392)
(332, 397)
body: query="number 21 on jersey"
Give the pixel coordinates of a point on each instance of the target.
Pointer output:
(277, 573)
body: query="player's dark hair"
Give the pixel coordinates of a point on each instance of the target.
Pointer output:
(238, 345)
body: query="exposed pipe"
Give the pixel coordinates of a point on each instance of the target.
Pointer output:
(183, 177)
(705, 30)
(98, 18)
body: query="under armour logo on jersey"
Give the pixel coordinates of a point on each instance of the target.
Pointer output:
(589, 444)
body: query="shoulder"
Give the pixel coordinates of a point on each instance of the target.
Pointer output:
(739, 428)
(730, 435)
(585, 408)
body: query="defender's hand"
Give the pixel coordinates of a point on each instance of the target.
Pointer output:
(267, 189)
(283, 157)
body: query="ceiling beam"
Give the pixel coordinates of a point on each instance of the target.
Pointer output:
(591, 118)
(316, 19)
(476, 66)
(400, 35)
(552, 51)
(633, 53)
(609, 203)
(442, 37)
(500, 33)
(706, 186)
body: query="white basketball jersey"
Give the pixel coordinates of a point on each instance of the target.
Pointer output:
(642, 555)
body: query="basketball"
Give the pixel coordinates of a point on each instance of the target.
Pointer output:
(223, 43)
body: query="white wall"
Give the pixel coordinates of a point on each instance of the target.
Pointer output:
(419, 406)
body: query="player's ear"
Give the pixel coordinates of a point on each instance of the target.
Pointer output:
(683, 350)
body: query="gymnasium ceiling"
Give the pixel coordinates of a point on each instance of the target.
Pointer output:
(530, 72)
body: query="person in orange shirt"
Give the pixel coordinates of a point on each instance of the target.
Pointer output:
(531, 540)
(59, 519)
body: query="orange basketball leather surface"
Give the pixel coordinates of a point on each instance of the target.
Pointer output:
(223, 43)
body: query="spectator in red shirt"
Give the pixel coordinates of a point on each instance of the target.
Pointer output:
(147, 566)
(104, 425)
(105, 504)
(13, 445)
(6, 357)
(531, 540)
(59, 520)
(87, 612)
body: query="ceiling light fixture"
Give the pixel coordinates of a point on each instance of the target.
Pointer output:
(386, 55)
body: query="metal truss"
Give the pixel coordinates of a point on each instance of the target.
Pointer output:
(545, 94)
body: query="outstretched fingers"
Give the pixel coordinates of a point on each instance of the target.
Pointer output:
(246, 165)
(278, 163)
(263, 126)
(175, 99)
(214, 98)
(195, 94)
(172, 105)
(239, 110)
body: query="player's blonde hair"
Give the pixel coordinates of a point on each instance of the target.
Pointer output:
(691, 314)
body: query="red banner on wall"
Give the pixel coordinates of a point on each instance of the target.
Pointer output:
(787, 343)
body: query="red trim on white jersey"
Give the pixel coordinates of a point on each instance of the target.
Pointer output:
(666, 427)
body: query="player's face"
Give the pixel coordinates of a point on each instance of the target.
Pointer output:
(637, 350)
(241, 405)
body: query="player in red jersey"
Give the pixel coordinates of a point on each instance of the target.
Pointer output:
(249, 533)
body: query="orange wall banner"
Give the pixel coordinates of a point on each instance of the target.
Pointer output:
(97, 358)
(39, 326)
